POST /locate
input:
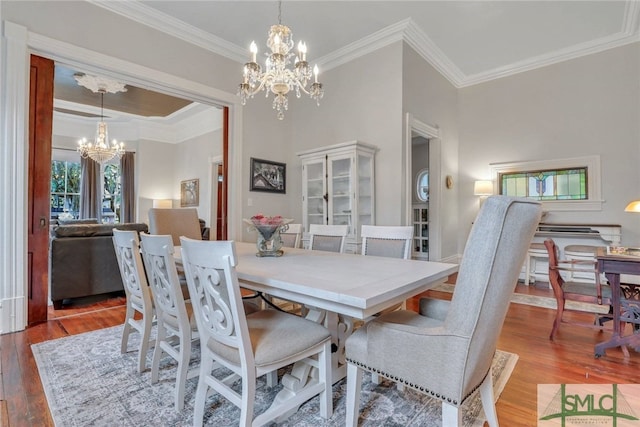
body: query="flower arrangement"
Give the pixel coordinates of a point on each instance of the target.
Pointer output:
(269, 229)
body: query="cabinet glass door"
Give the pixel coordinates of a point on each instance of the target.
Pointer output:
(340, 191)
(315, 193)
(365, 186)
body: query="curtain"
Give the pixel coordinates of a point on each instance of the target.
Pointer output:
(90, 190)
(127, 178)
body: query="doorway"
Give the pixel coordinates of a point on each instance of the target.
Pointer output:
(39, 305)
(19, 44)
(428, 141)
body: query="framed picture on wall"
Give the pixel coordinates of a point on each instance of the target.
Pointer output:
(268, 176)
(189, 192)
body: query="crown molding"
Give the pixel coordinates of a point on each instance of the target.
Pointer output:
(379, 39)
(572, 52)
(631, 19)
(157, 20)
(406, 30)
(187, 123)
(427, 49)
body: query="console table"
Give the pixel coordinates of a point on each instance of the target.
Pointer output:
(625, 299)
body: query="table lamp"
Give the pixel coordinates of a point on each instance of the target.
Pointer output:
(162, 203)
(483, 189)
(633, 206)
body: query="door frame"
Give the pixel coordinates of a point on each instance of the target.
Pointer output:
(432, 133)
(20, 44)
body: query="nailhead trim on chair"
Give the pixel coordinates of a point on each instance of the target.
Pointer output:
(412, 385)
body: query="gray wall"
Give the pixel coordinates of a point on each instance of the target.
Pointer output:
(433, 100)
(586, 106)
(362, 102)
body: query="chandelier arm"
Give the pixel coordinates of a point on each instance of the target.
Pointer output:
(258, 88)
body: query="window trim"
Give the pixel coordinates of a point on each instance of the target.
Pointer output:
(594, 180)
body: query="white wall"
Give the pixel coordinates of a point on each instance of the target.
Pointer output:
(155, 175)
(586, 106)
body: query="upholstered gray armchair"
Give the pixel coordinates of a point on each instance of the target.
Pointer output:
(446, 351)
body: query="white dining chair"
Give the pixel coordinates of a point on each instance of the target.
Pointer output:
(136, 287)
(387, 241)
(291, 238)
(330, 238)
(248, 345)
(176, 329)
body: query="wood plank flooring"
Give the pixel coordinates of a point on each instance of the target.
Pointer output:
(568, 359)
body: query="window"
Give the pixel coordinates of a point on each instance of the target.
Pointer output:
(560, 184)
(66, 174)
(422, 185)
(111, 193)
(65, 188)
(563, 184)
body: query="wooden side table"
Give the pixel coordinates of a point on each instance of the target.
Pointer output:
(625, 299)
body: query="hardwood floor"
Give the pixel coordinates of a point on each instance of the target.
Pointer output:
(568, 359)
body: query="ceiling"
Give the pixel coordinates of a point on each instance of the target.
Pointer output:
(467, 41)
(134, 101)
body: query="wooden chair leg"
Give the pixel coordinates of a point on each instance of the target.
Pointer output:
(324, 375)
(272, 378)
(354, 385)
(182, 371)
(126, 330)
(144, 343)
(206, 366)
(558, 320)
(488, 400)
(157, 355)
(451, 415)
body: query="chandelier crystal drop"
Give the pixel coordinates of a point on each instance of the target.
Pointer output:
(277, 77)
(101, 150)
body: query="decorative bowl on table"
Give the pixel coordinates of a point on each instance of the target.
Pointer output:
(269, 228)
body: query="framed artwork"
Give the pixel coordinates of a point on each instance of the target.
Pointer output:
(268, 176)
(189, 193)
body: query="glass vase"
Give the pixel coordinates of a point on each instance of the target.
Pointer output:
(269, 242)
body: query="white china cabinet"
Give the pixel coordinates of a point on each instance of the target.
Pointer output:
(338, 187)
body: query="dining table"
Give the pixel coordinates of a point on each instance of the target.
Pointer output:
(335, 289)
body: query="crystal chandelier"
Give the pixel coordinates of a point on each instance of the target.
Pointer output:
(100, 150)
(277, 78)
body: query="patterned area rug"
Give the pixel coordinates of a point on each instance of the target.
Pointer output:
(539, 301)
(88, 382)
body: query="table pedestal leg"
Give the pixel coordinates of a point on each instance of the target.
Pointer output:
(303, 374)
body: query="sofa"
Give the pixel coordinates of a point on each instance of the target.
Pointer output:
(82, 261)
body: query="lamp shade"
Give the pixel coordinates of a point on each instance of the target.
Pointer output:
(163, 203)
(483, 188)
(633, 206)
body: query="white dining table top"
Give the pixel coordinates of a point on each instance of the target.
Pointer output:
(353, 285)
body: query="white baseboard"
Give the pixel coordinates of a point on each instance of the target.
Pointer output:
(12, 315)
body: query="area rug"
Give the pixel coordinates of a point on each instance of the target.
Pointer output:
(88, 382)
(540, 301)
